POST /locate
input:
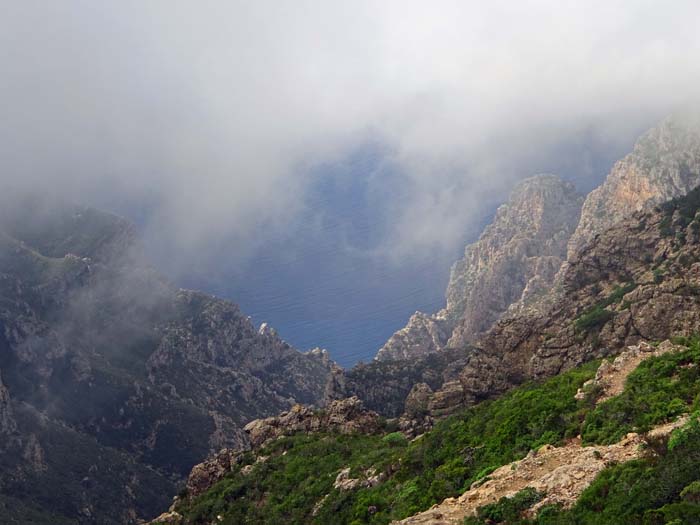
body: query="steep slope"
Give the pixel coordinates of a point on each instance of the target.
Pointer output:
(115, 382)
(639, 280)
(514, 260)
(555, 437)
(559, 475)
(664, 164)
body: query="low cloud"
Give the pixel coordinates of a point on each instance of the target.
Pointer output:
(216, 116)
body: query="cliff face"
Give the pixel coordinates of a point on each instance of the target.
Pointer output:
(514, 261)
(520, 272)
(637, 281)
(7, 420)
(114, 382)
(664, 164)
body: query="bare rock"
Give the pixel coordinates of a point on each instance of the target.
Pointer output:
(664, 164)
(344, 416)
(514, 261)
(7, 420)
(206, 474)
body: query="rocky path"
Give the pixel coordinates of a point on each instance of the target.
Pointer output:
(561, 473)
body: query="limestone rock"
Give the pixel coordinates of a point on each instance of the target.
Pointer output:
(664, 164)
(422, 335)
(7, 420)
(514, 260)
(516, 257)
(345, 416)
(206, 474)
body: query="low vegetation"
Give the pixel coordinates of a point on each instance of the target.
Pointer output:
(659, 490)
(596, 316)
(295, 484)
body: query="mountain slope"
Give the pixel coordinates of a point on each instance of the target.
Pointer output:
(116, 383)
(557, 436)
(524, 383)
(664, 164)
(515, 259)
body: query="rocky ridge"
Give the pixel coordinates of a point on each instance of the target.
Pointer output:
(664, 164)
(523, 344)
(514, 260)
(114, 383)
(346, 416)
(637, 281)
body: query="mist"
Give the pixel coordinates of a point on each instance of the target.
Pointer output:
(219, 126)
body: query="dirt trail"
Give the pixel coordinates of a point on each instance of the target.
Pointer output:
(561, 473)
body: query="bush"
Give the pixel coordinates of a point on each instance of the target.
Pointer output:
(691, 493)
(506, 510)
(395, 439)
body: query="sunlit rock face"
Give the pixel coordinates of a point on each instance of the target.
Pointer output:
(514, 260)
(664, 164)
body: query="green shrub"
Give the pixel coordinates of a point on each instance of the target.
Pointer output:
(395, 439)
(593, 318)
(659, 389)
(505, 510)
(691, 493)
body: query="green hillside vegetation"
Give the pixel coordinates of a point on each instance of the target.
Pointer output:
(300, 470)
(658, 490)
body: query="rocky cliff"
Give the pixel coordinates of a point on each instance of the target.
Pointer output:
(114, 382)
(637, 281)
(514, 261)
(664, 164)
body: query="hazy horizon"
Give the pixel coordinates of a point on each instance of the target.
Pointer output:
(324, 164)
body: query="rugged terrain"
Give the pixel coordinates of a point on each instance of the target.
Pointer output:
(553, 284)
(543, 453)
(113, 382)
(514, 260)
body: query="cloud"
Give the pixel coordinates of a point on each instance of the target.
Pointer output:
(215, 116)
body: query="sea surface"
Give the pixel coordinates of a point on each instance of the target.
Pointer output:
(319, 282)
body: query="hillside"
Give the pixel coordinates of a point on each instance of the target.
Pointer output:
(113, 382)
(543, 225)
(518, 415)
(326, 477)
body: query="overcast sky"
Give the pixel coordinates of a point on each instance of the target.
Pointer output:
(216, 113)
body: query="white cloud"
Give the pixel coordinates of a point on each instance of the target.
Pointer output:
(214, 112)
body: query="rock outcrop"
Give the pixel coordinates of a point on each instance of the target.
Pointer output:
(344, 416)
(7, 420)
(514, 261)
(664, 164)
(422, 335)
(205, 474)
